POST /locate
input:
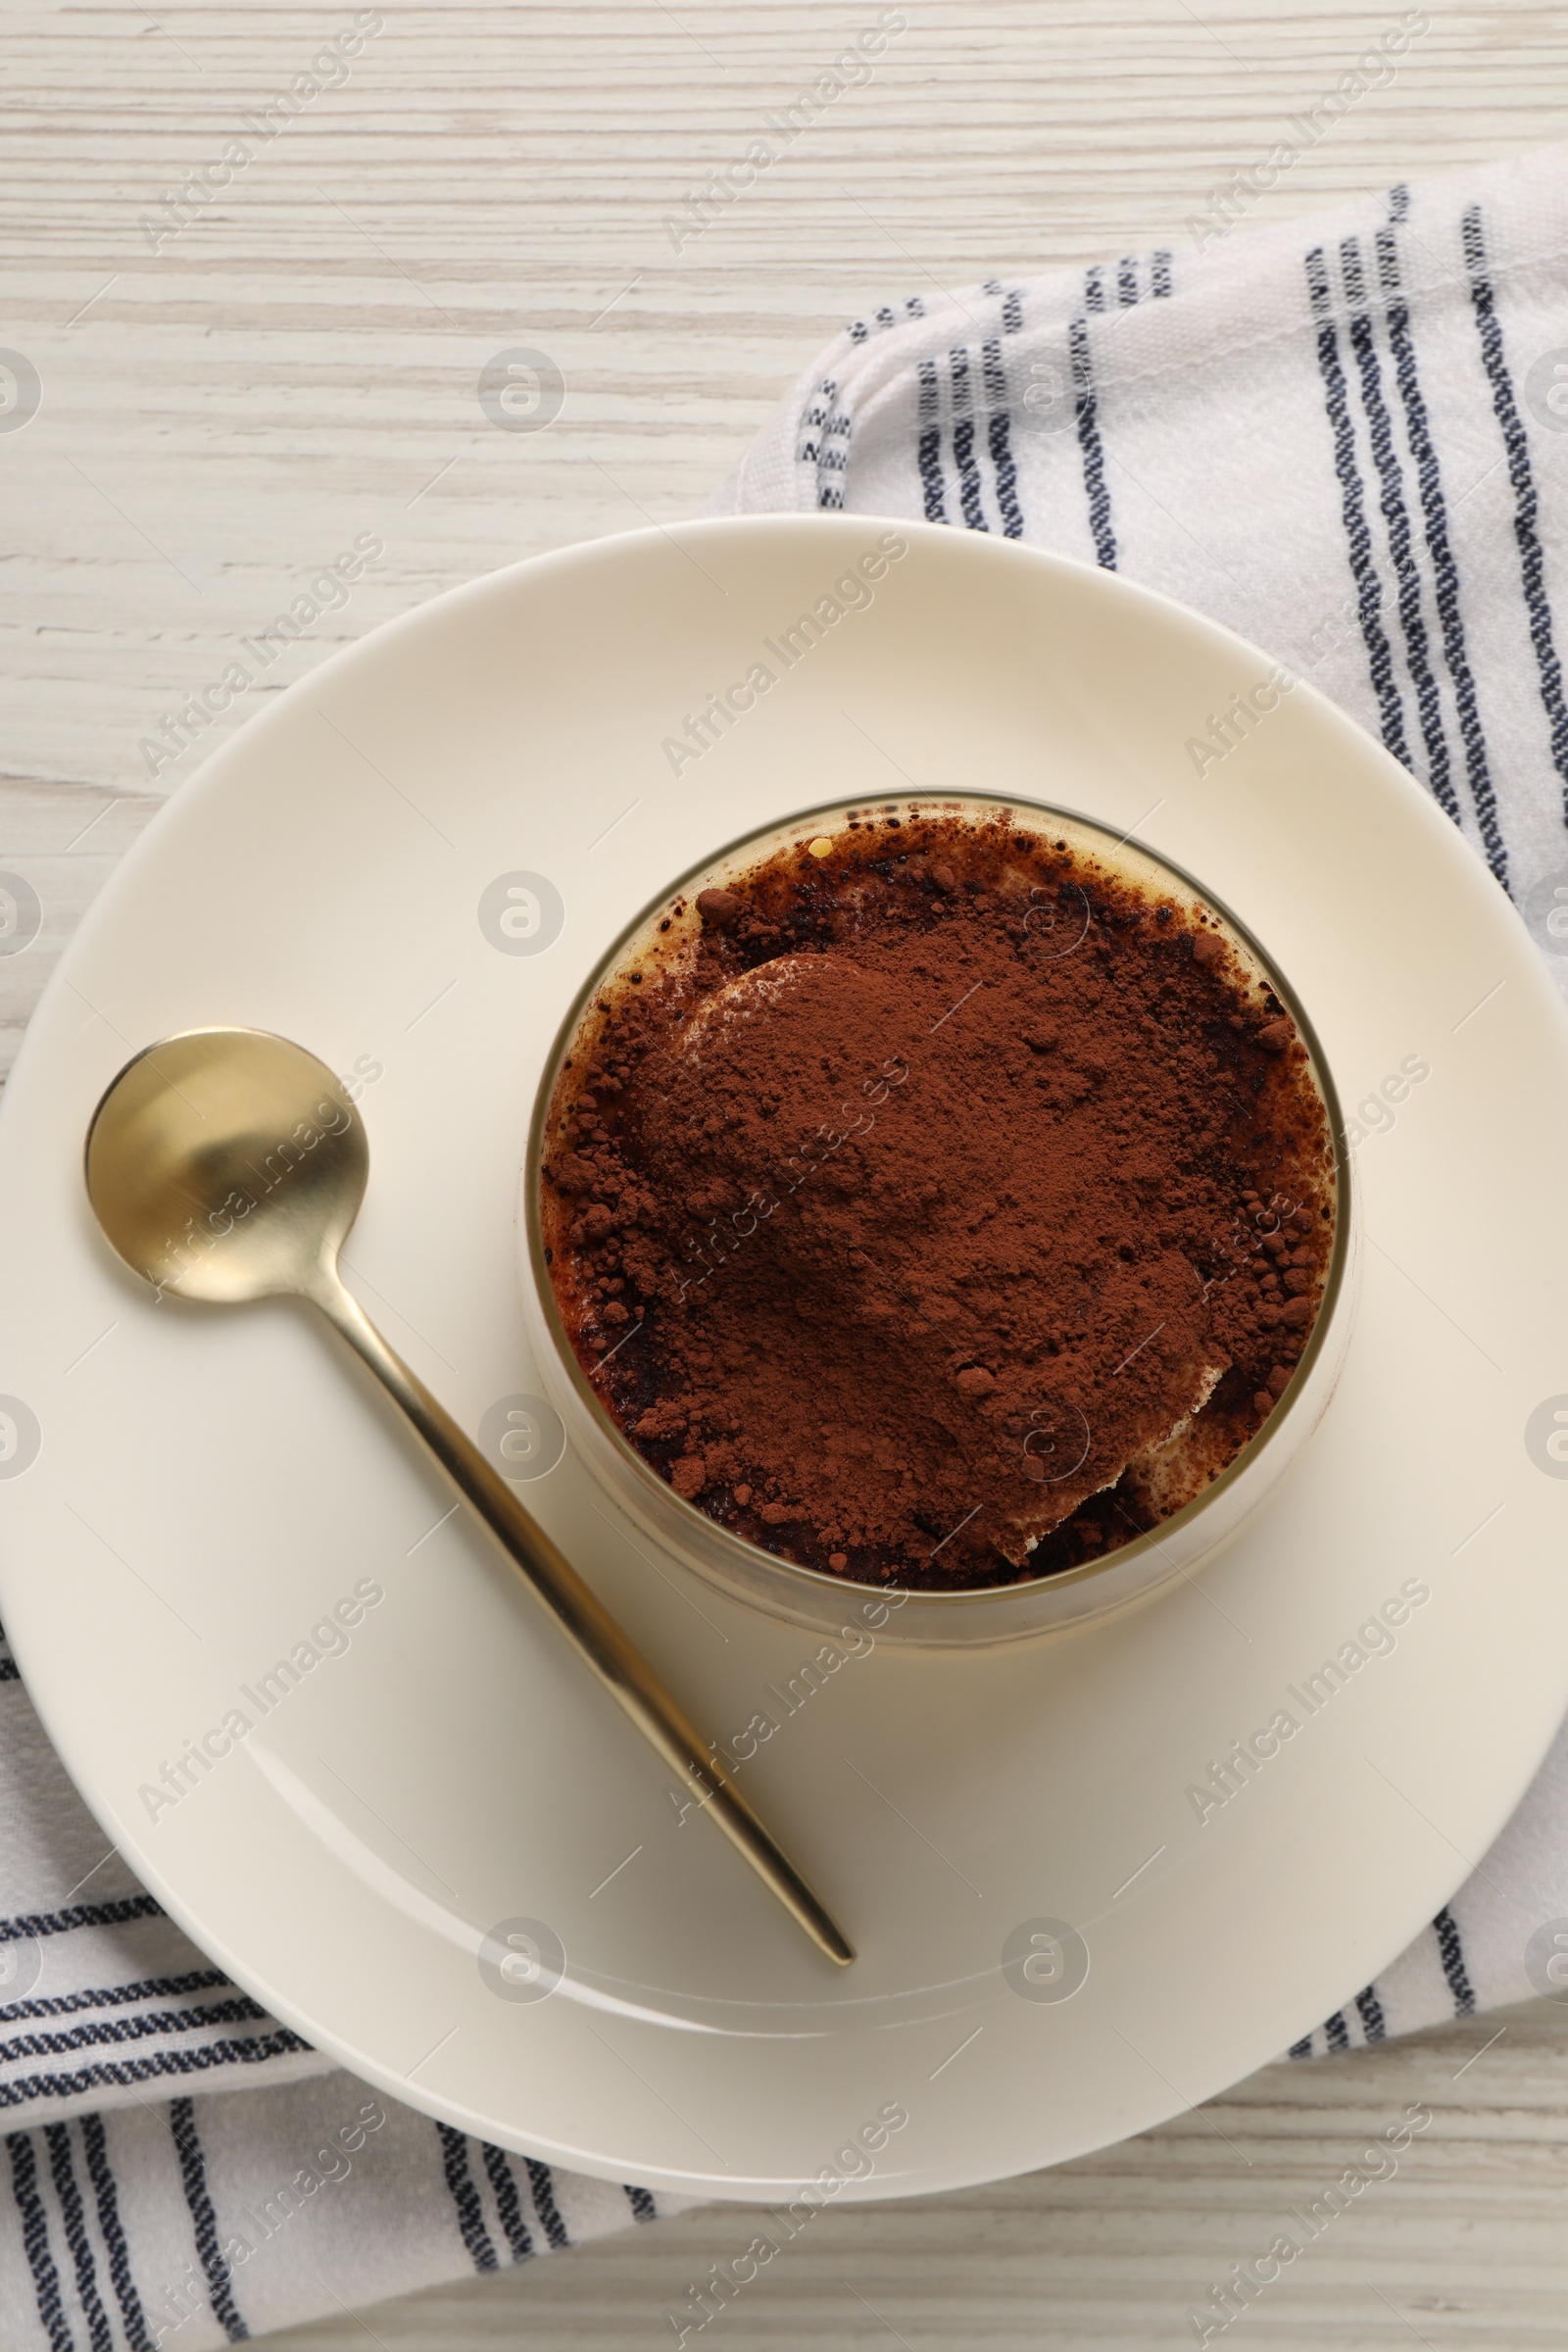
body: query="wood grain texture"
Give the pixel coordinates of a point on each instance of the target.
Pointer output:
(226, 410)
(1463, 2247)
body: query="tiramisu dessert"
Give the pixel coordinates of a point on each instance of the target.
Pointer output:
(942, 1201)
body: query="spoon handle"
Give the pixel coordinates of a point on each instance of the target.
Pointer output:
(587, 1625)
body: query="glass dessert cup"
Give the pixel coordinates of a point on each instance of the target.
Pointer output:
(1028, 1607)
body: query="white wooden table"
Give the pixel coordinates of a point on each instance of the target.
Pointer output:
(226, 409)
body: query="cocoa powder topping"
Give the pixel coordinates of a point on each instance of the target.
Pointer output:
(971, 1203)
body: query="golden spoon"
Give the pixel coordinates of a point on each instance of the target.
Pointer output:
(228, 1164)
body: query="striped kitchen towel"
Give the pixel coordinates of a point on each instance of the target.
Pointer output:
(1346, 439)
(1343, 439)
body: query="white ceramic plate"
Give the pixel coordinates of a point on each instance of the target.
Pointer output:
(335, 874)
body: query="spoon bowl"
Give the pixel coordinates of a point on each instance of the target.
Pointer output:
(226, 1166)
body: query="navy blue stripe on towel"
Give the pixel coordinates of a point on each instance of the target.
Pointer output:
(1527, 503)
(929, 443)
(204, 2220)
(63, 2172)
(1353, 507)
(1088, 442)
(200, 2060)
(1451, 1951)
(1000, 439)
(35, 2242)
(543, 2182)
(112, 2230)
(964, 456)
(1435, 515)
(1396, 521)
(1370, 2010)
(508, 2205)
(100, 2030)
(465, 2199)
(81, 1915)
(114, 1996)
